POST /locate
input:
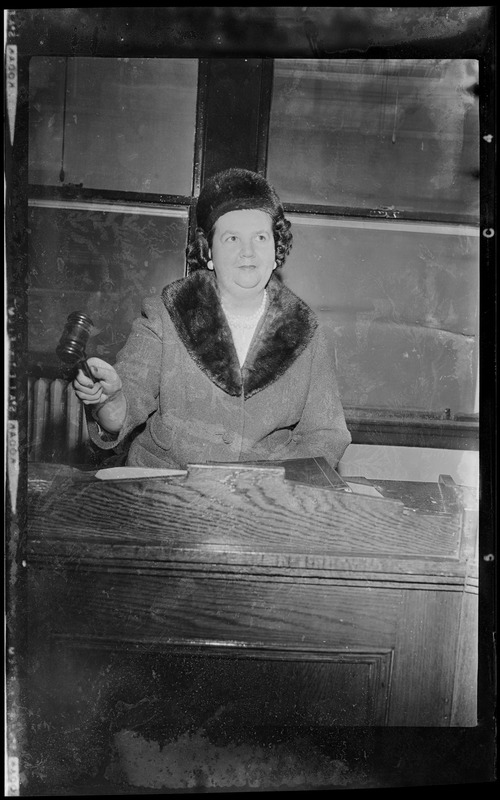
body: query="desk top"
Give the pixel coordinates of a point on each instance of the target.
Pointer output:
(235, 514)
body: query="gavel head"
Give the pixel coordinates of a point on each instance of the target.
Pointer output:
(71, 347)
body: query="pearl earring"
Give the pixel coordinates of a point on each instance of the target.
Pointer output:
(210, 264)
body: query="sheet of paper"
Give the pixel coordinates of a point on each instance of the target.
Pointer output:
(363, 488)
(117, 473)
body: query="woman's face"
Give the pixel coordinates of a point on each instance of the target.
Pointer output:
(243, 252)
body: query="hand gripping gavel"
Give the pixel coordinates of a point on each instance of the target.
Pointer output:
(71, 347)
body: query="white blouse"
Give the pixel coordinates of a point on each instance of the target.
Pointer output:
(243, 328)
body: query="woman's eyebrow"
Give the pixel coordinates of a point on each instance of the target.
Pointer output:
(238, 233)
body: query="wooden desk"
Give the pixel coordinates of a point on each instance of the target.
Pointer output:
(318, 607)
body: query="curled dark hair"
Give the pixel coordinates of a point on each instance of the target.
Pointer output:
(198, 251)
(283, 239)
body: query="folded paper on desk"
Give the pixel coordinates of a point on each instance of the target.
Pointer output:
(117, 473)
(363, 488)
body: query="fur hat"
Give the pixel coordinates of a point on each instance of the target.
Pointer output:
(234, 190)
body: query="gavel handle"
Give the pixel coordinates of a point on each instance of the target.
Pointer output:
(86, 369)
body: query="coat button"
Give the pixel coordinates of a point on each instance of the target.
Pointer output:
(227, 437)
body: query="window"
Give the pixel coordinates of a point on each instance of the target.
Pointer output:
(377, 163)
(119, 124)
(390, 134)
(111, 166)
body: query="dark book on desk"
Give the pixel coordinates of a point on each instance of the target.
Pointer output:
(312, 472)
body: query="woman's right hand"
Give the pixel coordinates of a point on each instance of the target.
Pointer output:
(107, 384)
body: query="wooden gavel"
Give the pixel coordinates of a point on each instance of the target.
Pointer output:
(71, 347)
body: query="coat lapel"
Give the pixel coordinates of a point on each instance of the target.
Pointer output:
(194, 307)
(285, 331)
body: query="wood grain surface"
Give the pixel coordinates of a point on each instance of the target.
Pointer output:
(237, 511)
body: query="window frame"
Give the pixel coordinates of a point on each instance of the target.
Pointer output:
(370, 425)
(367, 425)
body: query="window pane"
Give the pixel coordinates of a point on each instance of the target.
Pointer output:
(129, 123)
(370, 133)
(46, 113)
(101, 263)
(401, 301)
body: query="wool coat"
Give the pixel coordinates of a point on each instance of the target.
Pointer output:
(189, 401)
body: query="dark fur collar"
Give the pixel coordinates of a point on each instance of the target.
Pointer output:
(284, 333)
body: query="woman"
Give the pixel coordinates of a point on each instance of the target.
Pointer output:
(229, 364)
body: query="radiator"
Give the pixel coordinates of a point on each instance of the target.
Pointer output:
(57, 426)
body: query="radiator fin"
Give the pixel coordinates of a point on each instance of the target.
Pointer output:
(57, 425)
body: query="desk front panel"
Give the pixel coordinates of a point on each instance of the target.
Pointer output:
(387, 654)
